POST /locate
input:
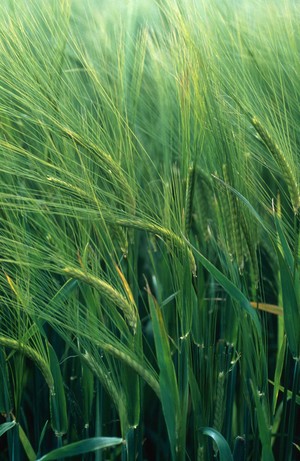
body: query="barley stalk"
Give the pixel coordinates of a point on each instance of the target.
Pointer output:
(282, 162)
(67, 185)
(33, 355)
(110, 166)
(203, 197)
(115, 394)
(144, 374)
(160, 231)
(251, 244)
(110, 293)
(219, 402)
(233, 220)
(189, 198)
(135, 223)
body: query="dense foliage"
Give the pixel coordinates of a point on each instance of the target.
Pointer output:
(149, 230)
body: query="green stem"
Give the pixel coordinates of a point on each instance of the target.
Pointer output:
(291, 423)
(296, 244)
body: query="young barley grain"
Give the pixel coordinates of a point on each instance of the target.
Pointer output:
(110, 167)
(189, 198)
(219, 402)
(203, 198)
(33, 355)
(234, 230)
(136, 366)
(163, 232)
(111, 294)
(281, 160)
(251, 245)
(115, 393)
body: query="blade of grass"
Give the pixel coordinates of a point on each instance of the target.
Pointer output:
(223, 447)
(31, 455)
(167, 377)
(291, 311)
(58, 405)
(232, 290)
(4, 427)
(82, 447)
(264, 426)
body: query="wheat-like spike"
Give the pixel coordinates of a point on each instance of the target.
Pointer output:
(120, 235)
(141, 371)
(33, 355)
(202, 197)
(189, 198)
(282, 162)
(223, 202)
(115, 393)
(219, 402)
(203, 176)
(234, 227)
(251, 244)
(67, 185)
(134, 223)
(158, 230)
(110, 166)
(111, 294)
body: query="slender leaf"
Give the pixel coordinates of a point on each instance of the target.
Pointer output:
(82, 447)
(26, 445)
(167, 376)
(223, 447)
(264, 427)
(278, 373)
(291, 310)
(4, 427)
(58, 405)
(230, 288)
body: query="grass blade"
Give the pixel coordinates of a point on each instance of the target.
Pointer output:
(291, 311)
(58, 405)
(264, 427)
(223, 447)
(4, 427)
(82, 447)
(26, 445)
(232, 290)
(167, 376)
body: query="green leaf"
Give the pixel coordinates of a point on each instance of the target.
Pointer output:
(223, 447)
(239, 449)
(26, 445)
(289, 392)
(131, 444)
(195, 396)
(183, 386)
(58, 405)
(6, 427)
(79, 448)
(5, 391)
(278, 373)
(42, 437)
(230, 288)
(288, 255)
(264, 427)
(245, 201)
(167, 375)
(291, 312)
(87, 385)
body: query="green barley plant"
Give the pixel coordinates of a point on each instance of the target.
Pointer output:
(149, 230)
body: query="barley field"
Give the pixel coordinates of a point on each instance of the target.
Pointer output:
(149, 230)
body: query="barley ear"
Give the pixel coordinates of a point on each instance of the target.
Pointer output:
(281, 161)
(189, 198)
(109, 293)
